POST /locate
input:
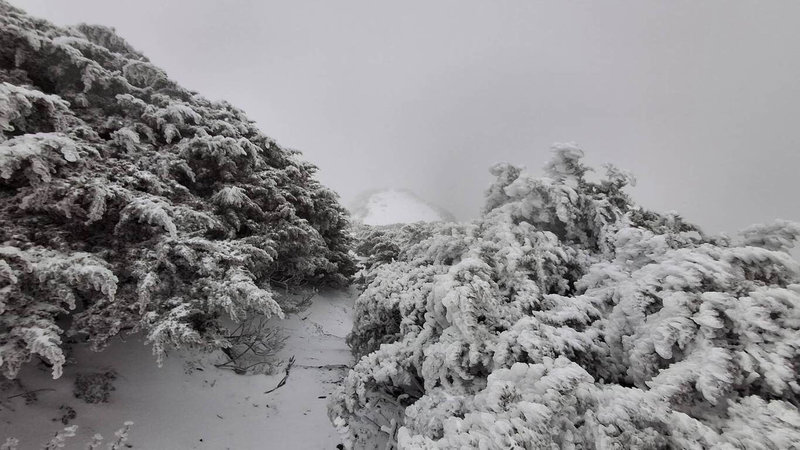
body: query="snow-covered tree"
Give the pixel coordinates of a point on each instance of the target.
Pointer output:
(130, 203)
(569, 317)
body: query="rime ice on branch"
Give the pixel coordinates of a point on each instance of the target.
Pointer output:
(130, 203)
(569, 317)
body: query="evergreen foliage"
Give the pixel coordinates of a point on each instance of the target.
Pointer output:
(569, 317)
(130, 203)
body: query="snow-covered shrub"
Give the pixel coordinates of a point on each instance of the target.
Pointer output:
(129, 203)
(60, 439)
(68, 414)
(569, 317)
(94, 387)
(254, 346)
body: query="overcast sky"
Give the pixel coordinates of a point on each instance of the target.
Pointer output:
(701, 100)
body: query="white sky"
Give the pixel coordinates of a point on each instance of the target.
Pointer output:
(701, 100)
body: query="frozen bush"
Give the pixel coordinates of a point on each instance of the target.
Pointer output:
(569, 317)
(252, 347)
(61, 438)
(132, 204)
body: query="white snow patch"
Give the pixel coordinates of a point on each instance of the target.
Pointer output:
(190, 404)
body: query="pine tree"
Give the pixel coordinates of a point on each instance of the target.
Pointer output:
(129, 203)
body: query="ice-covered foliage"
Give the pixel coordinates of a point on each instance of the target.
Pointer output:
(569, 317)
(62, 438)
(130, 203)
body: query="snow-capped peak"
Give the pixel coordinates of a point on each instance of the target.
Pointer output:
(389, 206)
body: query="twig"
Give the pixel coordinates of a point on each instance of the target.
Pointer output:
(29, 392)
(252, 345)
(322, 331)
(285, 377)
(326, 366)
(392, 432)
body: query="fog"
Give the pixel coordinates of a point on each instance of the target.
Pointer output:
(701, 100)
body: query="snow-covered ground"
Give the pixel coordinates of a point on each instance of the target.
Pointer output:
(190, 404)
(391, 206)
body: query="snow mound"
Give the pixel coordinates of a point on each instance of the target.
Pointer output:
(390, 206)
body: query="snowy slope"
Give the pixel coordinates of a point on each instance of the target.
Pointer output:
(390, 206)
(190, 404)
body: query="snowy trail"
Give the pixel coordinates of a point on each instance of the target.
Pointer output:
(189, 404)
(298, 415)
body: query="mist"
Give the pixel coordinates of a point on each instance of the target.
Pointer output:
(699, 99)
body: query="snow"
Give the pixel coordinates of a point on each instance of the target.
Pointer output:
(190, 404)
(390, 206)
